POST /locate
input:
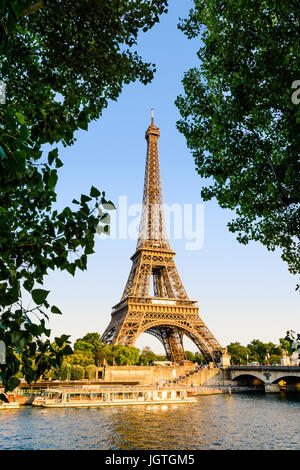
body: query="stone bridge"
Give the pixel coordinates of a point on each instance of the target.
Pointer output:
(271, 377)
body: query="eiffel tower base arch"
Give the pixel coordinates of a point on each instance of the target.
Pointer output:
(168, 323)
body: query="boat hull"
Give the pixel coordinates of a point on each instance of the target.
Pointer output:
(112, 403)
(9, 406)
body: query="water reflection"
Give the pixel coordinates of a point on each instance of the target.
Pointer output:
(214, 422)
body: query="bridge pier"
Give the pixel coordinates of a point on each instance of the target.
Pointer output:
(272, 388)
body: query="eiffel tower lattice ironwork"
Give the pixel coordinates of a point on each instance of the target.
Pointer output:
(168, 313)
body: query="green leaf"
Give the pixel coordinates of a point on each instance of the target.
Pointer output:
(56, 310)
(4, 398)
(67, 350)
(52, 155)
(71, 269)
(20, 118)
(85, 198)
(65, 337)
(39, 295)
(12, 383)
(94, 192)
(109, 205)
(28, 284)
(17, 161)
(59, 341)
(58, 163)
(52, 179)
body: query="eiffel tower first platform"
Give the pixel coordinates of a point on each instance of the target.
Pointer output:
(167, 313)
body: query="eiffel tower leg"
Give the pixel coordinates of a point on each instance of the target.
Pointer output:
(174, 339)
(171, 338)
(110, 333)
(207, 347)
(160, 333)
(121, 331)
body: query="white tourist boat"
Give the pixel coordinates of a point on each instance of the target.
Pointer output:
(83, 398)
(9, 406)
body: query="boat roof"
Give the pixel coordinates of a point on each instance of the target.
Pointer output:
(113, 389)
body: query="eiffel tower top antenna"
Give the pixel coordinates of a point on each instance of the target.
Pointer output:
(152, 116)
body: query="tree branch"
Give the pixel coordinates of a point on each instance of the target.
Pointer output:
(36, 6)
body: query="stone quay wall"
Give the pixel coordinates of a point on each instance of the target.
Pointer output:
(150, 375)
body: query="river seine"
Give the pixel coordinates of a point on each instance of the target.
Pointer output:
(214, 422)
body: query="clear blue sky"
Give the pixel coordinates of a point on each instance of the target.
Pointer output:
(244, 292)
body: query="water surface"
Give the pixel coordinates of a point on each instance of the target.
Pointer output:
(214, 422)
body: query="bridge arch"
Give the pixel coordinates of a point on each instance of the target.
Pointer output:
(249, 379)
(289, 379)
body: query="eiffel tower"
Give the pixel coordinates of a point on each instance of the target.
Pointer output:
(168, 314)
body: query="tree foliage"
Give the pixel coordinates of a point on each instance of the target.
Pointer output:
(256, 351)
(239, 353)
(123, 355)
(90, 345)
(91, 372)
(147, 356)
(81, 358)
(91, 350)
(193, 357)
(64, 62)
(287, 342)
(77, 372)
(65, 371)
(61, 61)
(239, 118)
